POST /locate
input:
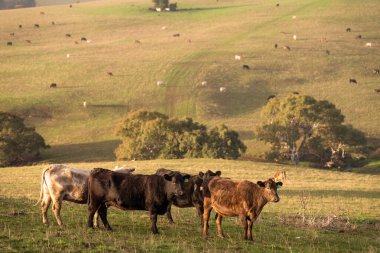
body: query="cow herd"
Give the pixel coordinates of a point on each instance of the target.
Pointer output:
(123, 189)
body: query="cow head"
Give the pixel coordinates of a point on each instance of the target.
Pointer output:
(174, 184)
(209, 173)
(270, 189)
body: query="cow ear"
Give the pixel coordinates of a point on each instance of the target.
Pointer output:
(201, 174)
(168, 177)
(279, 185)
(186, 178)
(261, 183)
(218, 173)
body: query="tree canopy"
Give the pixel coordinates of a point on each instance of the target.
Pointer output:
(18, 144)
(300, 127)
(151, 135)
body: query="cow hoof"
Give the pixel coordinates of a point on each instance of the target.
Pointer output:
(221, 236)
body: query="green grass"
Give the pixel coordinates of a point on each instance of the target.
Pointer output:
(353, 198)
(217, 30)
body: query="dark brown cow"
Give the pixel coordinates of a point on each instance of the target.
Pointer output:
(237, 198)
(152, 193)
(193, 195)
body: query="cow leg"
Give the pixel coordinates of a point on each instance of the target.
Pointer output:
(153, 220)
(243, 219)
(103, 215)
(57, 203)
(219, 224)
(199, 208)
(250, 225)
(206, 216)
(169, 214)
(92, 209)
(45, 204)
(96, 219)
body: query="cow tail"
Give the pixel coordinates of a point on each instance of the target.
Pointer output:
(43, 181)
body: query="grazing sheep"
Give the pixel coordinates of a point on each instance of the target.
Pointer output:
(85, 104)
(294, 17)
(237, 57)
(353, 81)
(286, 48)
(275, 46)
(246, 67)
(158, 9)
(359, 36)
(222, 89)
(28, 41)
(348, 29)
(327, 52)
(53, 85)
(167, 9)
(67, 56)
(294, 37)
(368, 44)
(68, 35)
(9, 43)
(176, 35)
(204, 83)
(36, 25)
(270, 97)
(377, 90)
(160, 83)
(163, 28)
(19, 26)
(376, 71)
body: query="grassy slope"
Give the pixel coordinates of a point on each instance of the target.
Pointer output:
(351, 196)
(218, 31)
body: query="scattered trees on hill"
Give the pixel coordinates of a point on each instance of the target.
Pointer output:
(151, 135)
(300, 127)
(18, 144)
(11, 4)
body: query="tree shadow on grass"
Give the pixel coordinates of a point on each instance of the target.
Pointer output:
(81, 152)
(333, 193)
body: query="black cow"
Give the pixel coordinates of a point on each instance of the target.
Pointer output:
(152, 193)
(53, 85)
(36, 25)
(176, 35)
(275, 46)
(246, 66)
(353, 81)
(348, 29)
(83, 39)
(9, 43)
(193, 195)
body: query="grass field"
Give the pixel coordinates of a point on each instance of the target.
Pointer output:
(217, 30)
(341, 214)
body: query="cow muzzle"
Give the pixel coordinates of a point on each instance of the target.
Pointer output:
(180, 193)
(276, 199)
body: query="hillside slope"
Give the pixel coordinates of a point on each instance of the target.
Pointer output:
(211, 34)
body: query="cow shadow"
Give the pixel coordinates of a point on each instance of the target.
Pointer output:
(81, 152)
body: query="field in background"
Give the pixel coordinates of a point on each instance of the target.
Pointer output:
(217, 31)
(341, 210)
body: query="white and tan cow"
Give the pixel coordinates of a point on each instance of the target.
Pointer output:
(61, 182)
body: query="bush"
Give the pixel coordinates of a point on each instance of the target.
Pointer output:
(18, 144)
(151, 135)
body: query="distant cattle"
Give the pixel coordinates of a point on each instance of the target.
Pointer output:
(286, 48)
(70, 5)
(377, 90)
(193, 195)
(83, 39)
(328, 52)
(296, 93)
(109, 73)
(42, 13)
(52, 23)
(176, 35)
(348, 29)
(60, 182)
(275, 46)
(12, 34)
(246, 67)
(28, 41)
(19, 26)
(76, 42)
(222, 89)
(36, 25)
(9, 43)
(53, 85)
(237, 57)
(359, 36)
(376, 71)
(353, 81)
(152, 193)
(68, 35)
(137, 41)
(270, 97)
(277, 5)
(237, 198)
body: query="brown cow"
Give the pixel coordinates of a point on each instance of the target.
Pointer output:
(193, 195)
(237, 198)
(152, 193)
(61, 182)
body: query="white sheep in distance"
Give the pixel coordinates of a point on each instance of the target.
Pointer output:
(160, 83)
(204, 83)
(368, 44)
(237, 57)
(222, 89)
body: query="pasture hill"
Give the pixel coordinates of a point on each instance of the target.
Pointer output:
(108, 57)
